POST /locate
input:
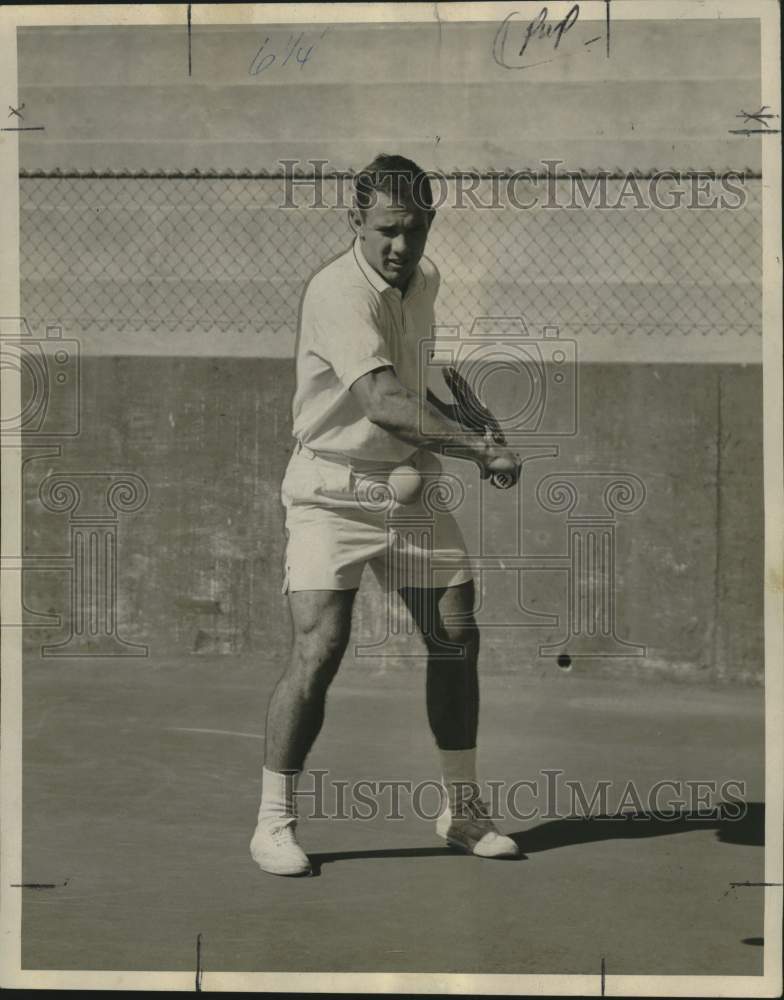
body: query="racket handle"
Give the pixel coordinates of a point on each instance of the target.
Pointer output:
(501, 480)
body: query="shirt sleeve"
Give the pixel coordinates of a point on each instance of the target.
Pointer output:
(347, 334)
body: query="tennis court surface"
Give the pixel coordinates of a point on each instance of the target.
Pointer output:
(141, 786)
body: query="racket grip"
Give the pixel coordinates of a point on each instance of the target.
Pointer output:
(501, 480)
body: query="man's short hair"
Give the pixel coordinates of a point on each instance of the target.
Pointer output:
(400, 178)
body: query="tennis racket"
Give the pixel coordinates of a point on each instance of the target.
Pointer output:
(475, 416)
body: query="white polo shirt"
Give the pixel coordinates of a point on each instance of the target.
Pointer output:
(352, 321)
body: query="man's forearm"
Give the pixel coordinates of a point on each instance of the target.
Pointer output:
(419, 422)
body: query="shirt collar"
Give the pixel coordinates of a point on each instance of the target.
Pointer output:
(380, 284)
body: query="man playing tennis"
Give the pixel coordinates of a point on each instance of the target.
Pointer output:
(358, 417)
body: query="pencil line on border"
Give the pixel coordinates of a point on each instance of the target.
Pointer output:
(198, 963)
(190, 61)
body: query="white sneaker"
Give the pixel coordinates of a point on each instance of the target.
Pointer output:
(274, 848)
(472, 831)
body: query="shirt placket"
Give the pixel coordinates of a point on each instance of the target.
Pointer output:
(402, 308)
(399, 311)
(395, 305)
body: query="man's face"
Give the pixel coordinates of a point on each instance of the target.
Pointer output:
(393, 235)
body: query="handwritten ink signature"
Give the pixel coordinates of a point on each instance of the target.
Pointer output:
(536, 31)
(294, 48)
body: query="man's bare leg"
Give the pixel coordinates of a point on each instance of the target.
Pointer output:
(453, 650)
(321, 621)
(453, 713)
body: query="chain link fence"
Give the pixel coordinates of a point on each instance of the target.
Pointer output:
(115, 254)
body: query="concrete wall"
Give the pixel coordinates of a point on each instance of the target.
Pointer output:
(121, 97)
(199, 565)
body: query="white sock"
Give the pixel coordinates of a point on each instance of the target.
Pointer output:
(458, 770)
(277, 794)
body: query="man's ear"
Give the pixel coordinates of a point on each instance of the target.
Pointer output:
(355, 220)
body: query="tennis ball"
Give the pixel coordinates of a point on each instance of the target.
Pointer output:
(405, 484)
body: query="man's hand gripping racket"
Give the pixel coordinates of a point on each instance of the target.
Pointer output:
(475, 416)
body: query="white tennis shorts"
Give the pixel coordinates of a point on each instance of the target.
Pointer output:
(341, 516)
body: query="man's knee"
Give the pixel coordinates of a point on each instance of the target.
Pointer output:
(317, 651)
(462, 637)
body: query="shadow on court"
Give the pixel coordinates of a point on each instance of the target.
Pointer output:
(141, 787)
(748, 829)
(318, 860)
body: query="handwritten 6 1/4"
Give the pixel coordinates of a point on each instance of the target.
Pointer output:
(295, 47)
